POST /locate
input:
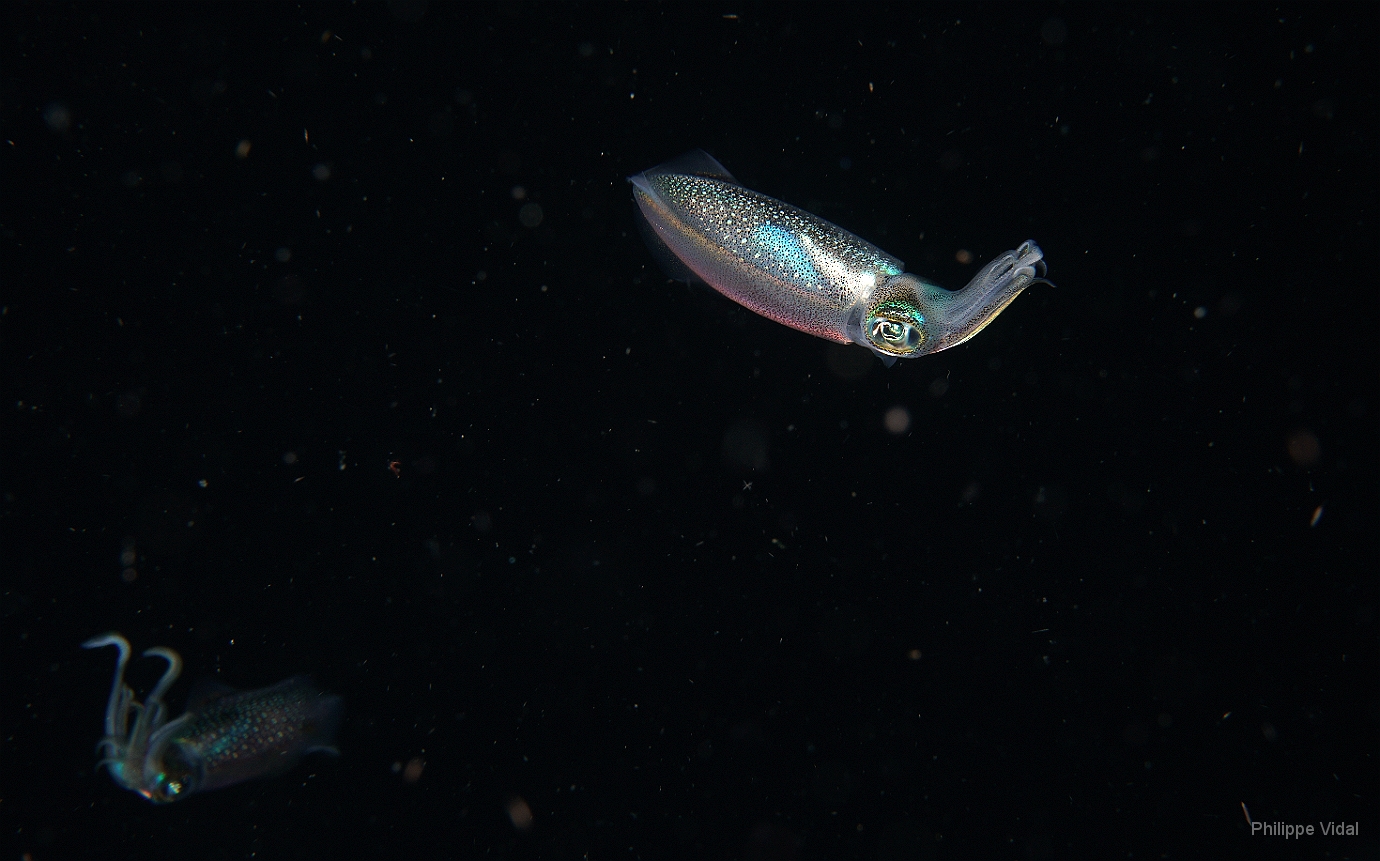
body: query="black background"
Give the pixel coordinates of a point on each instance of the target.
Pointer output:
(651, 565)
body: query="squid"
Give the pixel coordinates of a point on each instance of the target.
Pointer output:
(806, 273)
(225, 737)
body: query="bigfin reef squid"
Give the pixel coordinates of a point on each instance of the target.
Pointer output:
(802, 271)
(225, 737)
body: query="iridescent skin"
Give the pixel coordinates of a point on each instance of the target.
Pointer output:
(800, 270)
(225, 737)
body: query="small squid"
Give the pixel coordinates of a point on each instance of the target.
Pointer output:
(226, 736)
(800, 270)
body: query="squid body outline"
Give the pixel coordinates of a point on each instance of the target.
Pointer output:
(804, 272)
(225, 736)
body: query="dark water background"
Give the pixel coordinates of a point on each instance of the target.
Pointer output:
(329, 346)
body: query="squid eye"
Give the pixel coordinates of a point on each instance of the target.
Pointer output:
(897, 337)
(895, 327)
(165, 789)
(886, 330)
